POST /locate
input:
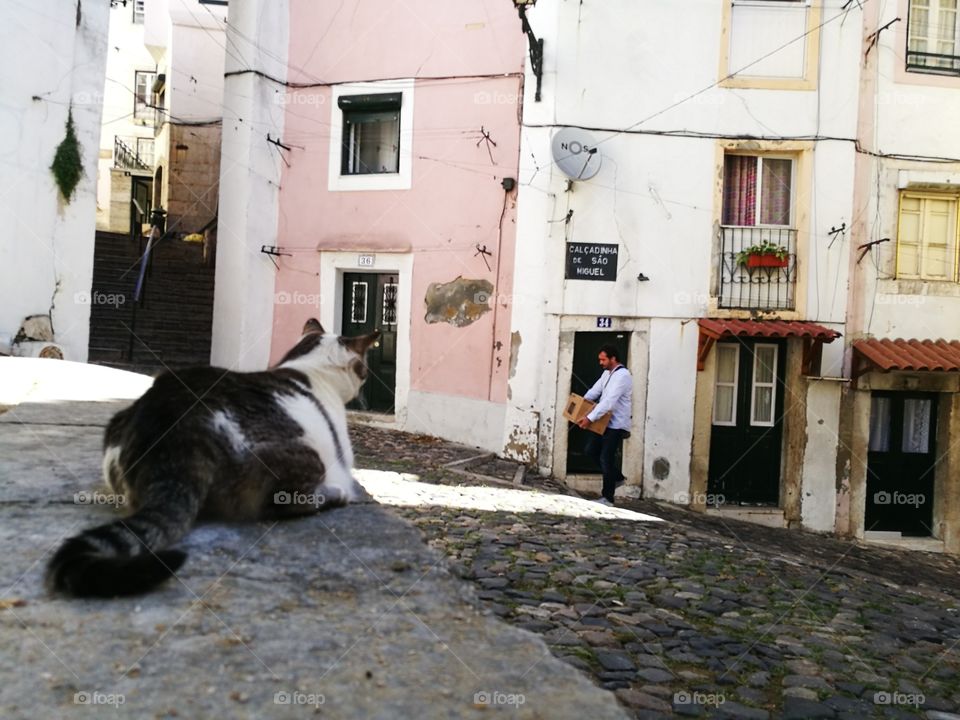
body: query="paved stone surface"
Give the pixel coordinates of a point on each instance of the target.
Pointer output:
(738, 620)
(692, 616)
(347, 614)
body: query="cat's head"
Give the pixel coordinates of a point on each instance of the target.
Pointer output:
(339, 359)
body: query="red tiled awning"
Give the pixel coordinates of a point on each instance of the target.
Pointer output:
(766, 328)
(814, 335)
(886, 355)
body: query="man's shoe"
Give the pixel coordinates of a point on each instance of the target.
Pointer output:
(604, 501)
(620, 482)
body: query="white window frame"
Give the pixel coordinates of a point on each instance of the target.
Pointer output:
(772, 385)
(146, 142)
(138, 12)
(934, 11)
(793, 185)
(735, 384)
(147, 114)
(400, 180)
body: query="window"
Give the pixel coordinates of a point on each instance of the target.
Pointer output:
(725, 392)
(390, 304)
(763, 394)
(772, 39)
(358, 303)
(757, 190)
(916, 425)
(145, 151)
(138, 11)
(933, 37)
(143, 96)
(371, 134)
(879, 424)
(927, 241)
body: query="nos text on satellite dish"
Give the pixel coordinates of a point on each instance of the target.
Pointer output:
(591, 262)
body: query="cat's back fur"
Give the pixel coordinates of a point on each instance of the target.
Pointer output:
(207, 442)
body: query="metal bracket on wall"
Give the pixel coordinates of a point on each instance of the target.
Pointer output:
(272, 251)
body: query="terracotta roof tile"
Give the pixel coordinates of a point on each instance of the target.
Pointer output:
(884, 355)
(767, 328)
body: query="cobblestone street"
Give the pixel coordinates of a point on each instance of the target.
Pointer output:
(696, 616)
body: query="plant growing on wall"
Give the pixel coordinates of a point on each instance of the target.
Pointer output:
(67, 164)
(764, 254)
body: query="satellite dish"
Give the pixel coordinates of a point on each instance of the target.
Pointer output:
(576, 154)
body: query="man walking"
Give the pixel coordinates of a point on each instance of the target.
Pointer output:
(613, 393)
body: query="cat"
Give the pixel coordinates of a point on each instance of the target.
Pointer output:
(211, 443)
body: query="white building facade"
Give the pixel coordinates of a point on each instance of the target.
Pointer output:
(187, 40)
(735, 135)
(46, 258)
(125, 165)
(900, 470)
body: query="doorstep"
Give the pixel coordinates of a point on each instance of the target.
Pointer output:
(766, 516)
(385, 421)
(896, 540)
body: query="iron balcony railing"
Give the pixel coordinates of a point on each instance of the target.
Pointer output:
(767, 283)
(933, 62)
(126, 157)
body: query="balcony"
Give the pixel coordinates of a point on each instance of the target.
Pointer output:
(756, 288)
(133, 154)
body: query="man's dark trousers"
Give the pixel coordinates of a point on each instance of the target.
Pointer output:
(603, 449)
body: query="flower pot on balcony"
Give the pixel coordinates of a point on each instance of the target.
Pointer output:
(770, 260)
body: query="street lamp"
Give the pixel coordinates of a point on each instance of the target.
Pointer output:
(536, 46)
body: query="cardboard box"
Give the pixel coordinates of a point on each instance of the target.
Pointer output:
(578, 407)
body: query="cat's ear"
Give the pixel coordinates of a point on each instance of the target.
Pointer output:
(312, 326)
(361, 343)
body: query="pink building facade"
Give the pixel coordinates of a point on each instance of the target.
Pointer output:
(395, 207)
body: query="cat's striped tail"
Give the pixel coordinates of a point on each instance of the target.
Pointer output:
(125, 557)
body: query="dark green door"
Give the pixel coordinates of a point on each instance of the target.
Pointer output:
(370, 303)
(586, 370)
(900, 462)
(747, 434)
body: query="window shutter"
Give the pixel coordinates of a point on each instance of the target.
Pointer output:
(938, 225)
(908, 243)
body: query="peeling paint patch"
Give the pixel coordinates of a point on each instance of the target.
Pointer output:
(521, 445)
(515, 342)
(458, 302)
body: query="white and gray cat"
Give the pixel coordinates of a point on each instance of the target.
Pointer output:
(207, 442)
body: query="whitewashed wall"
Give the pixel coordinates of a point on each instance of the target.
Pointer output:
(126, 54)
(249, 191)
(618, 65)
(51, 57)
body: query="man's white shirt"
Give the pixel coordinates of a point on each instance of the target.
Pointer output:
(615, 392)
